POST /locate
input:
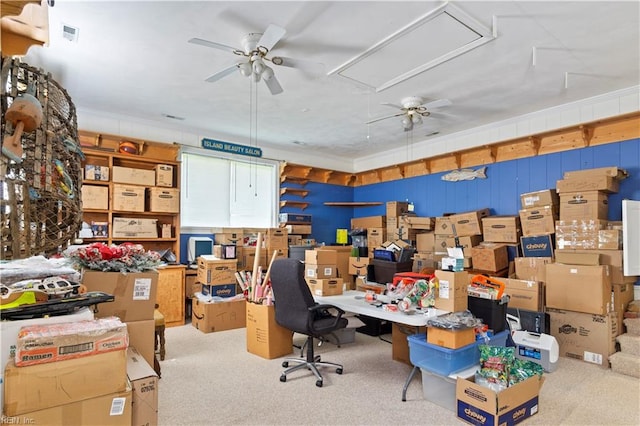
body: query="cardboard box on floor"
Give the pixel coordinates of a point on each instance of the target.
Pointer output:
(265, 337)
(580, 288)
(479, 405)
(142, 335)
(135, 293)
(81, 378)
(144, 383)
(114, 409)
(219, 316)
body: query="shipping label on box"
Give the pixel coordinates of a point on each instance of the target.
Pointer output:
(470, 223)
(216, 271)
(538, 220)
(93, 172)
(505, 229)
(133, 176)
(95, 197)
(586, 337)
(128, 198)
(545, 197)
(452, 290)
(320, 271)
(164, 175)
(135, 228)
(164, 200)
(579, 288)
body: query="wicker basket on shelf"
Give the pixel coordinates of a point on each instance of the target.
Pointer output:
(41, 209)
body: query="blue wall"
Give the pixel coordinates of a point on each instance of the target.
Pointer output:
(432, 196)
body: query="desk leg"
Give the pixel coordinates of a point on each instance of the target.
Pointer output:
(406, 384)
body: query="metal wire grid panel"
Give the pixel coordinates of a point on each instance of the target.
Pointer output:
(40, 208)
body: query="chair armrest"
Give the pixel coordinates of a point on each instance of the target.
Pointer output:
(319, 307)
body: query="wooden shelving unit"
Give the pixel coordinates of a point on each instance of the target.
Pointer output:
(294, 191)
(290, 203)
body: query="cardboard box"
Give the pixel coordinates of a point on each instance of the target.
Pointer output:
(524, 294)
(9, 332)
(588, 183)
(93, 172)
(248, 256)
(288, 218)
(418, 222)
(124, 227)
(587, 337)
(545, 197)
(164, 175)
(538, 220)
(490, 257)
(216, 271)
(578, 234)
(325, 287)
(584, 205)
(505, 229)
(579, 288)
(320, 257)
(537, 245)
(425, 241)
(452, 339)
(469, 223)
(610, 239)
(280, 253)
(570, 257)
(142, 336)
(265, 337)
(369, 222)
(133, 176)
(397, 208)
(320, 271)
(277, 238)
(135, 293)
(81, 378)
(298, 229)
(219, 316)
(41, 344)
(164, 200)
(613, 258)
(422, 260)
(443, 226)
(452, 291)
(399, 343)
(342, 262)
(218, 290)
(144, 384)
(375, 238)
(114, 409)
(465, 242)
(358, 265)
(614, 172)
(95, 197)
(482, 406)
(128, 198)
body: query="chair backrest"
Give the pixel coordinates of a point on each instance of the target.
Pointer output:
(292, 297)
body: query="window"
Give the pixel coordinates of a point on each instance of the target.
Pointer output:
(224, 192)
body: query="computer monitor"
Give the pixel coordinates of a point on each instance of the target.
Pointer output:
(199, 246)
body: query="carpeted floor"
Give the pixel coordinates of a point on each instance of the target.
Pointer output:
(210, 379)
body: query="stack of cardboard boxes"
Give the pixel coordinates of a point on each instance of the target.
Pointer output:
(321, 272)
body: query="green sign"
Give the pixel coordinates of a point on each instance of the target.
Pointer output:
(232, 148)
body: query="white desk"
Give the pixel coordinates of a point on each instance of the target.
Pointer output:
(349, 302)
(353, 301)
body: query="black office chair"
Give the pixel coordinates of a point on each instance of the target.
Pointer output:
(297, 311)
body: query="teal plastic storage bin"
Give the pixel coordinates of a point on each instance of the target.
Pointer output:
(444, 361)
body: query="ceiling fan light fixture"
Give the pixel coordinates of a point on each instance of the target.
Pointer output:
(245, 69)
(256, 77)
(267, 74)
(407, 123)
(416, 119)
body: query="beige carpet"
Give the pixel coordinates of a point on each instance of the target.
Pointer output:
(210, 379)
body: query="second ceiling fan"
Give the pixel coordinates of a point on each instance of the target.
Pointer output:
(255, 48)
(413, 108)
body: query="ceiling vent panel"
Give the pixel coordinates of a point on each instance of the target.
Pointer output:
(434, 38)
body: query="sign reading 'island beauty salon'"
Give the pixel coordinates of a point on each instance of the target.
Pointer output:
(232, 148)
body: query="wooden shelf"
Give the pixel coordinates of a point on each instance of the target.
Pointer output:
(352, 203)
(289, 203)
(295, 191)
(294, 179)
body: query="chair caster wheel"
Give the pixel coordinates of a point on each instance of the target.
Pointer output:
(339, 370)
(285, 364)
(316, 358)
(319, 383)
(283, 378)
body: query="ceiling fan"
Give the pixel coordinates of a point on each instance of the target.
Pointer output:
(255, 48)
(413, 108)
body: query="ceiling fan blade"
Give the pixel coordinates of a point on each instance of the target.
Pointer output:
(222, 73)
(391, 105)
(271, 36)
(301, 64)
(437, 103)
(384, 118)
(273, 85)
(213, 44)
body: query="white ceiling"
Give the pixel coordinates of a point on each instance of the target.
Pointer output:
(132, 59)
